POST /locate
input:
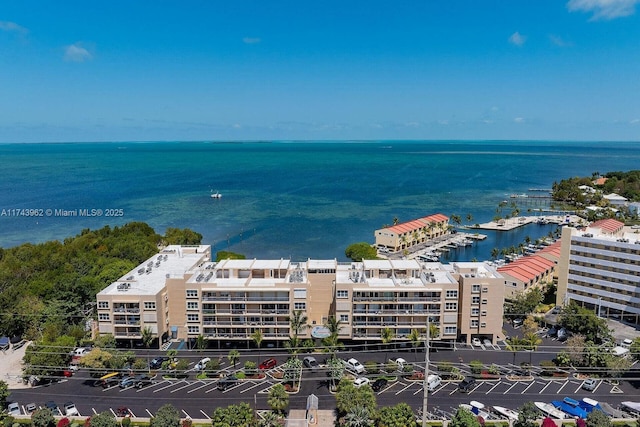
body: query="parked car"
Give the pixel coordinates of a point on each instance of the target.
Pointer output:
(552, 332)
(202, 364)
(13, 408)
(379, 384)
(517, 322)
(360, 381)
(30, 408)
(53, 407)
(268, 364)
(227, 382)
(127, 382)
(590, 384)
(311, 363)
(476, 342)
(466, 385)
(70, 410)
(156, 363)
(355, 366)
(487, 342)
(142, 380)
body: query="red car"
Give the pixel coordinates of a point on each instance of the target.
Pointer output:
(268, 364)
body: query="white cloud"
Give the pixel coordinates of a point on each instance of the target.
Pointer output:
(517, 39)
(559, 41)
(604, 9)
(519, 120)
(251, 40)
(76, 53)
(12, 27)
(635, 121)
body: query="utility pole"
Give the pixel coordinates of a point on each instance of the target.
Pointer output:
(425, 383)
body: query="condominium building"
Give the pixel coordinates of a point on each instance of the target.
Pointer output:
(407, 234)
(185, 295)
(599, 269)
(530, 271)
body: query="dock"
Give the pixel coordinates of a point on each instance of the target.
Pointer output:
(512, 223)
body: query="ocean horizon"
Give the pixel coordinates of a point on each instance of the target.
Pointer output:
(287, 199)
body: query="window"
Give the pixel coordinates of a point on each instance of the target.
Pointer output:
(484, 301)
(475, 288)
(483, 325)
(451, 306)
(192, 317)
(344, 318)
(475, 311)
(103, 304)
(300, 293)
(342, 294)
(485, 290)
(450, 330)
(299, 305)
(452, 293)
(192, 305)
(192, 293)
(484, 312)
(474, 323)
(149, 305)
(103, 317)
(475, 300)
(193, 329)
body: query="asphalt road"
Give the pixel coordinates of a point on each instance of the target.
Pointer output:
(198, 398)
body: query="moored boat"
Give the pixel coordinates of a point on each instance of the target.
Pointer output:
(216, 195)
(509, 413)
(550, 410)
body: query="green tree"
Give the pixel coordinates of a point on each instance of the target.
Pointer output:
(359, 251)
(166, 416)
(105, 341)
(292, 370)
(527, 416)
(336, 370)
(42, 418)
(147, 336)
(233, 357)
(348, 397)
(176, 236)
(464, 418)
(257, 336)
(240, 415)
(298, 322)
(103, 419)
(278, 399)
(270, 419)
(416, 339)
(250, 368)
(583, 321)
(400, 415)
(597, 418)
(4, 393)
(201, 342)
(212, 368)
(359, 416)
(634, 349)
(331, 343)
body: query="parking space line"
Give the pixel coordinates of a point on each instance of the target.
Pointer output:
(149, 412)
(204, 384)
(132, 414)
(188, 384)
(253, 386)
(185, 413)
(495, 385)
(435, 391)
(453, 391)
(236, 386)
(96, 412)
(171, 384)
(477, 387)
(418, 391)
(215, 387)
(528, 387)
(152, 385)
(545, 387)
(578, 389)
(125, 389)
(597, 386)
(509, 389)
(563, 386)
(403, 389)
(204, 413)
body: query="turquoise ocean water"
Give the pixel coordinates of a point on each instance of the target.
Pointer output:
(284, 199)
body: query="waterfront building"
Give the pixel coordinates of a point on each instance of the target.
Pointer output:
(530, 271)
(599, 269)
(407, 234)
(180, 294)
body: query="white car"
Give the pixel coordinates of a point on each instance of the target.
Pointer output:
(13, 408)
(476, 342)
(360, 381)
(202, 364)
(70, 410)
(355, 366)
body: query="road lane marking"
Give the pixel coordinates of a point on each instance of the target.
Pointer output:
(253, 386)
(527, 387)
(495, 385)
(204, 413)
(185, 413)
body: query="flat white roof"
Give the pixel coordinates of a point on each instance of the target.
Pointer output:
(247, 264)
(150, 277)
(322, 264)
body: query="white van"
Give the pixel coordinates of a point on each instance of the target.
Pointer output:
(433, 381)
(626, 343)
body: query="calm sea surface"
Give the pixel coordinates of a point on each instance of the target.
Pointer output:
(283, 199)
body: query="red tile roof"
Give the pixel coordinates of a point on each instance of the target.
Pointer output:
(608, 225)
(416, 224)
(553, 249)
(600, 181)
(527, 268)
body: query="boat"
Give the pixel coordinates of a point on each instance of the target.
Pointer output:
(571, 407)
(506, 412)
(633, 406)
(550, 410)
(216, 195)
(590, 405)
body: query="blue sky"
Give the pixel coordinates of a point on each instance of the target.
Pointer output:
(245, 70)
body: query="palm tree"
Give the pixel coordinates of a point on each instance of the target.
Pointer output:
(233, 357)
(293, 345)
(387, 335)
(358, 416)
(298, 322)
(434, 331)
(257, 337)
(333, 325)
(414, 337)
(469, 218)
(147, 336)
(395, 220)
(201, 342)
(278, 398)
(494, 253)
(270, 419)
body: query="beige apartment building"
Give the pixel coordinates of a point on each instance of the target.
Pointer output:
(407, 234)
(180, 294)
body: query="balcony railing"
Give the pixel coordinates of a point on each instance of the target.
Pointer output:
(245, 299)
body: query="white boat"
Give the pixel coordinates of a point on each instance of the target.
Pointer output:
(509, 413)
(550, 410)
(216, 195)
(634, 406)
